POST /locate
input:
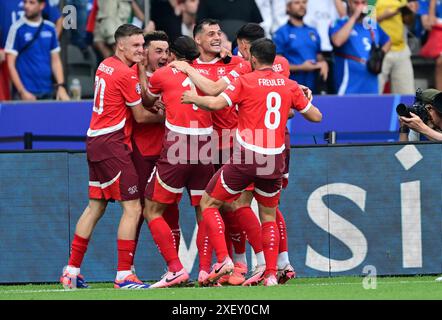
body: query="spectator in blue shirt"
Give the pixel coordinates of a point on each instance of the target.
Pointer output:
(301, 46)
(12, 10)
(33, 55)
(352, 38)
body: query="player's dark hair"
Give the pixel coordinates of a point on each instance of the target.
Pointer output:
(264, 50)
(127, 30)
(158, 35)
(184, 47)
(200, 25)
(41, 1)
(250, 32)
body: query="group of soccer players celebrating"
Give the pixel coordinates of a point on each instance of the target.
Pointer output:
(187, 115)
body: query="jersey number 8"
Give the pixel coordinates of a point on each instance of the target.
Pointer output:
(273, 104)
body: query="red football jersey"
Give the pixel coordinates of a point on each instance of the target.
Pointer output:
(264, 99)
(280, 65)
(148, 136)
(214, 70)
(170, 84)
(117, 88)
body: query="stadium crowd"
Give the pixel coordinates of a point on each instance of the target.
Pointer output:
(327, 43)
(173, 83)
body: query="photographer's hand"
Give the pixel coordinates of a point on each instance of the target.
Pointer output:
(415, 123)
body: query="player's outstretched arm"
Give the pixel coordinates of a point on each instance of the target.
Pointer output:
(203, 102)
(206, 85)
(312, 114)
(141, 115)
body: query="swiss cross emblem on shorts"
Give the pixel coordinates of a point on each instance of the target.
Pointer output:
(221, 71)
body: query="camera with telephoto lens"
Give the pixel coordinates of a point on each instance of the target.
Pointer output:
(418, 108)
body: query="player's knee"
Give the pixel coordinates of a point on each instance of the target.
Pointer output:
(152, 210)
(209, 202)
(267, 214)
(96, 208)
(132, 209)
(244, 201)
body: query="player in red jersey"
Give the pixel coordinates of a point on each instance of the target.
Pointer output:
(264, 99)
(148, 138)
(246, 219)
(112, 176)
(182, 163)
(208, 36)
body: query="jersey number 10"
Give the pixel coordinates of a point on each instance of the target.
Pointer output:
(100, 85)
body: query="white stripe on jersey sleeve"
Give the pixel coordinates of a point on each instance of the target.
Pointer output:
(306, 108)
(225, 96)
(133, 104)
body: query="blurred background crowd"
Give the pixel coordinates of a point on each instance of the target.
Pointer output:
(327, 42)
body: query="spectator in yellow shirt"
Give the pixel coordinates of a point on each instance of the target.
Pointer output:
(397, 66)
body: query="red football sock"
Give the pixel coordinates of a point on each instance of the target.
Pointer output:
(172, 215)
(249, 223)
(78, 249)
(234, 233)
(215, 230)
(162, 235)
(126, 250)
(205, 248)
(270, 243)
(283, 245)
(228, 239)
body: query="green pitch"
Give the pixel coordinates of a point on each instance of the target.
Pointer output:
(395, 288)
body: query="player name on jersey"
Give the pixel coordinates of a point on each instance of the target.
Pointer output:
(271, 82)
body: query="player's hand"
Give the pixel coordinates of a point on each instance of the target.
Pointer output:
(225, 52)
(307, 92)
(182, 66)
(27, 96)
(158, 107)
(62, 94)
(189, 96)
(323, 70)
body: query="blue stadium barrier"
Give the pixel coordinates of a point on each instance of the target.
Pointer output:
(347, 208)
(369, 118)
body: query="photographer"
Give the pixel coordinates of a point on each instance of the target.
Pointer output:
(432, 129)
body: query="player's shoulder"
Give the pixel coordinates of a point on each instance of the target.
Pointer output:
(237, 60)
(115, 68)
(166, 71)
(280, 59)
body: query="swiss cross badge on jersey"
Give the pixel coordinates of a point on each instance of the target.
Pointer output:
(221, 72)
(138, 88)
